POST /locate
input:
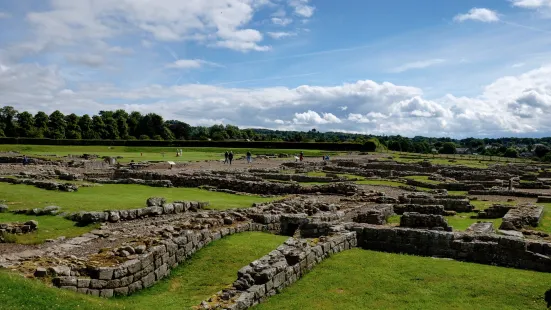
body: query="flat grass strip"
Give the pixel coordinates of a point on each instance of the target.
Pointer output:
(359, 279)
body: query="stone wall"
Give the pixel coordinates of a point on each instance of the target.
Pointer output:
(154, 209)
(49, 185)
(504, 192)
(494, 212)
(517, 218)
(422, 209)
(484, 249)
(376, 215)
(426, 221)
(282, 267)
(544, 199)
(17, 228)
(481, 228)
(144, 270)
(153, 183)
(450, 203)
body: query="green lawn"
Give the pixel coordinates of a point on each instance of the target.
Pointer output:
(422, 178)
(116, 197)
(108, 196)
(148, 153)
(207, 272)
(359, 279)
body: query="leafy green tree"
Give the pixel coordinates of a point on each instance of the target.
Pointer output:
(73, 129)
(57, 125)
(25, 125)
(541, 150)
(99, 128)
(448, 148)
(7, 121)
(511, 153)
(181, 130)
(133, 121)
(111, 128)
(41, 121)
(86, 128)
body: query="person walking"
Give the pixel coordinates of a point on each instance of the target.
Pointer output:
(301, 156)
(226, 155)
(249, 155)
(230, 157)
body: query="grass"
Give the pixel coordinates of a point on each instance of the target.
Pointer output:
(116, 197)
(208, 271)
(148, 153)
(359, 279)
(545, 224)
(100, 198)
(49, 227)
(422, 178)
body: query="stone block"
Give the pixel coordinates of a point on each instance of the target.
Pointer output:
(106, 293)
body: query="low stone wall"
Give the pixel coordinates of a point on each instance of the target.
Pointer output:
(484, 249)
(376, 215)
(544, 199)
(475, 175)
(494, 212)
(17, 228)
(49, 185)
(532, 185)
(522, 216)
(154, 209)
(400, 209)
(450, 203)
(427, 221)
(481, 228)
(152, 183)
(279, 269)
(513, 193)
(145, 269)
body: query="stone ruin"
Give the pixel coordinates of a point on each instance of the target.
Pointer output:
(133, 249)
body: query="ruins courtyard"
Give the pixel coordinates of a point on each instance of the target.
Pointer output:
(357, 231)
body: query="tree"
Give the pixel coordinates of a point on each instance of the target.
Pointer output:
(57, 125)
(121, 118)
(541, 150)
(73, 129)
(86, 127)
(511, 153)
(448, 148)
(25, 125)
(111, 128)
(7, 121)
(41, 121)
(133, 122)
(98, 126)
(181, 130)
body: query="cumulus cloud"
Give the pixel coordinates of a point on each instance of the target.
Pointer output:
(478, 14)
(314, 118)
(531, 4)
(418, 65)
(189, 64)
(91, 60)
(302, 8)
(219, 23)
(512, 104)
(280, 35)
(281, 21)
(4, 15)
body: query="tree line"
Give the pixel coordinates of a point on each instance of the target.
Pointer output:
(122, 125)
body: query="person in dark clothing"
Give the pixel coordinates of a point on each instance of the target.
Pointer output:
(230, 157)
(301, 156)
(249, 155)
(226, 155)
(25, 160)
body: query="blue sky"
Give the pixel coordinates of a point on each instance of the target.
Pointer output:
(428, 67)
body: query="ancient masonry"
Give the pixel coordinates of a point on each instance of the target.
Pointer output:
(134, 249)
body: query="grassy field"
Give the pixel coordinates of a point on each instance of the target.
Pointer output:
(147, 153)
(116, 197)
(359, 279)
(208, 271)
(100, 198)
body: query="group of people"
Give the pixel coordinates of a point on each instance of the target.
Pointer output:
(228, 157)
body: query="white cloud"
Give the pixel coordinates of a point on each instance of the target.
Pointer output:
(518, 65)
(343, 108)
(281, 21)
(218, 23)
(280, 35)
(4, 15)
(302, 8)
(418, 65)
(531, 4)
(478, 14)
(314, 118)
(91, 60)
(190, 64)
